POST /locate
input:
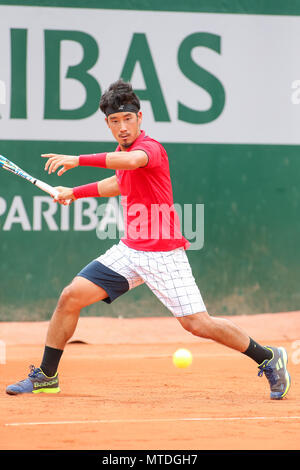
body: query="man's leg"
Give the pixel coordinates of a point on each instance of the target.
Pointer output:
(272, 361)
(79, 294)
(221, 330)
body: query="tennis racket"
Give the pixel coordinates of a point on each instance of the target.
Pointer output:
(13, 168)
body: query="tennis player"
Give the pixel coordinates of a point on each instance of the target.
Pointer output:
(152, 251)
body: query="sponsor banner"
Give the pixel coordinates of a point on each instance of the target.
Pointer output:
(106, 218)
(201, 77)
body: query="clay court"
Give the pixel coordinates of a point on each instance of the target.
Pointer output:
(120, 389)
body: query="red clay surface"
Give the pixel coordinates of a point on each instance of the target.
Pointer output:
(120, 390)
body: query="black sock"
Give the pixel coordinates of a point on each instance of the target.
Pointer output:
(257, 352)
(51, 360)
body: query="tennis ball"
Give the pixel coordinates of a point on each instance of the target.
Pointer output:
(182, 358)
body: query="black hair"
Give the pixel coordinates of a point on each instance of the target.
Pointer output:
(119, 94)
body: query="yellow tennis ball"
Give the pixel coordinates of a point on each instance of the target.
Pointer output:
(182, 358)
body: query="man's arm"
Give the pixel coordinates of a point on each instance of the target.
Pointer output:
(126, 160)
(111, 160)
(108, 187)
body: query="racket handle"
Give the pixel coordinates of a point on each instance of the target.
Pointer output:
(49, 189)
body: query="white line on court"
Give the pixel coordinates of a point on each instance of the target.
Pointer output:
(157, 420)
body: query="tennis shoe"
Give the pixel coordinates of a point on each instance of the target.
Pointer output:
(36, 382)
(276, 372)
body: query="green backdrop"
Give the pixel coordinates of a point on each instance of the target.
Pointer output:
(250, 262)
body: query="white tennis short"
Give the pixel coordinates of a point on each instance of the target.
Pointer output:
(167, 273)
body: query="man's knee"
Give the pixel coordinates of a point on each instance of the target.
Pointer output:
(69, 297)
(81, 293)
(198, 324)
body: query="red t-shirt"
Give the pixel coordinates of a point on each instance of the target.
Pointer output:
(150, 219)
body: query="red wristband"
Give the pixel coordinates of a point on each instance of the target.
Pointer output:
(87, 190)
(94, 159)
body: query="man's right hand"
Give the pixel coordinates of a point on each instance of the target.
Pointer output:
(55, 161)
(65, 195)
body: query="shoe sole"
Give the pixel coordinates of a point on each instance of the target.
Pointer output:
(41, 390)
(287, 375)
(47, 390)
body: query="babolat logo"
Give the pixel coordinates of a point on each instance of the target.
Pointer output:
(45, 384)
